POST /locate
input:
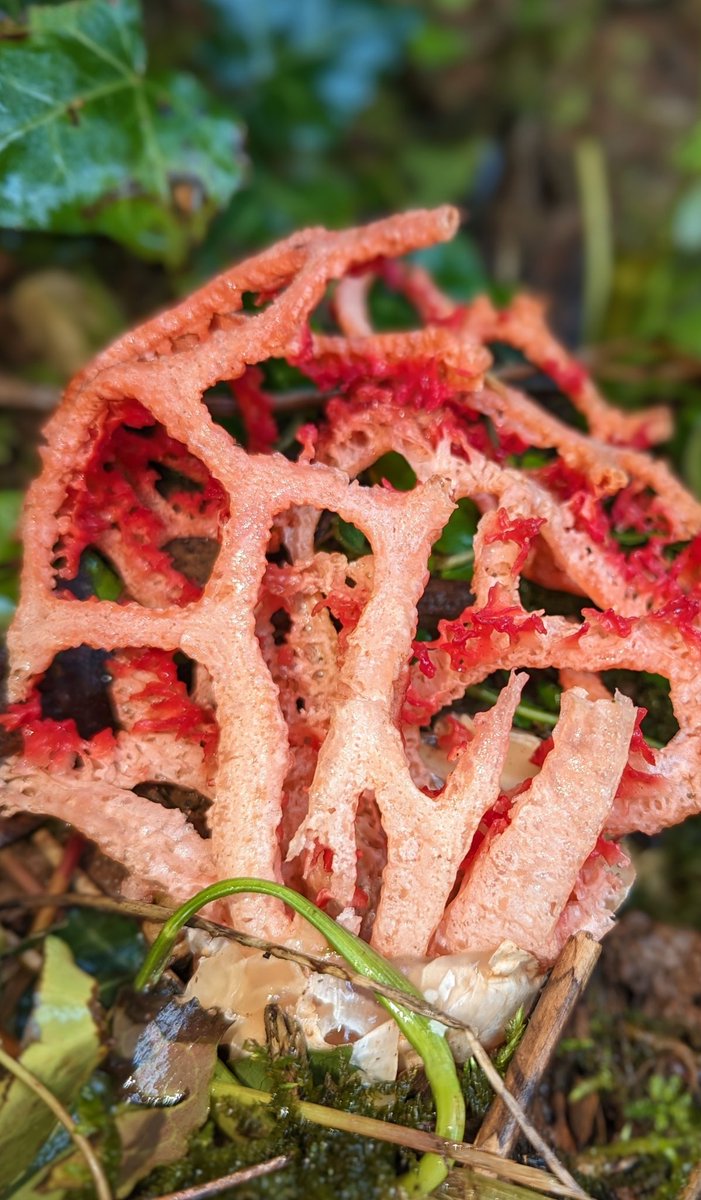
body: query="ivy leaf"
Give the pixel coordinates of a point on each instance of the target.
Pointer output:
(395, 469)
(63, 1056)
(90, 143)
(110, 947)
(452, 556)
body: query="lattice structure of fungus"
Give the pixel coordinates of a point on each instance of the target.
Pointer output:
(287, 688)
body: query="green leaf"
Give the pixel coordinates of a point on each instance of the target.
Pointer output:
(10, 550)
(395, 469)
(105, 582)
(7, 608)
(456, 266)
(10, 508)
(514, 1031)
(453, 556)
(603, 1081)
(686, 220)
(353, 540)
(438, 171)
(108, 946)
(334, 1062)
(254, 1072)
(63, 1056)
(691, 457)
(438, 46)
(89, 143)
(457, 536)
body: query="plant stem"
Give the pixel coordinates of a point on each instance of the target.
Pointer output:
(595, 201)
(445, 562)
(17, 1068)
(526, 710)
(399, 1135)
(647, 1144)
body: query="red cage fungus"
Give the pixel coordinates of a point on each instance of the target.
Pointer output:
(288, 687)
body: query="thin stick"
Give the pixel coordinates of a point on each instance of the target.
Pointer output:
(245, 1175)
(16, 1068)
(683, 1053)
(402, 1135)
(19, 874)
(292, 400)
(156, 913)
(20, 393)
(692, 1191)
(60, 880)
(568, 979)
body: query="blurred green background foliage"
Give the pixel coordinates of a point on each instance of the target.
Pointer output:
(569, 133)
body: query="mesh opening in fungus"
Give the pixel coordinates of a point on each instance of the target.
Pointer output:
(139, 500)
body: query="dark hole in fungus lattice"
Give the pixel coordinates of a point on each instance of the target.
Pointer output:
(170, 481)
(443, 599)
(194, 557)
(190, 802)
(76, 687)
(281, 623)
(535, 598)
(185, 670)
(650, 692)
(280, 557)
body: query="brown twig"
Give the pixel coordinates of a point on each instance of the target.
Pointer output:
(292, 400)
(568, 979)
(9, 1044)
(52, 850)
(19, 873)
(42, 397)
(20, 393)
(514, 372)
(692, 1191)
(60, 880)
(683, 1053)
(214, 1186)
